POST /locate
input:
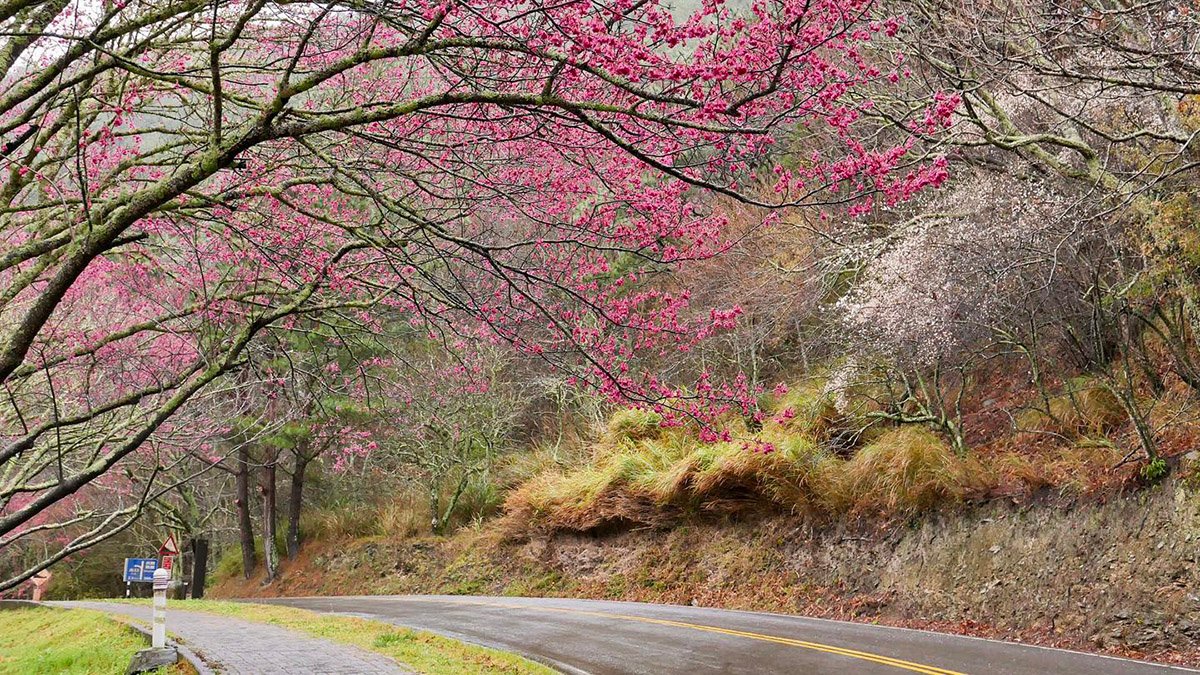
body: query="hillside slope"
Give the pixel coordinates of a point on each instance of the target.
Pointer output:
(1116, 574)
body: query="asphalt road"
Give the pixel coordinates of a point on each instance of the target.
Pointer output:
(586, 636)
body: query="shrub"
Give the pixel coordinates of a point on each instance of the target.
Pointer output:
(1154, 471)
(229, 563)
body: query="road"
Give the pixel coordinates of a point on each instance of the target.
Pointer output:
(610, 638)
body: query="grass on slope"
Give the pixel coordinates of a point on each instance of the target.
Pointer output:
(65, 641)
(425, 652)
(642, 472)
(806, 458)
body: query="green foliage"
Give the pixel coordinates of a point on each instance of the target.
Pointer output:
(536, 586)
(480, 499)
(393, 639)
(616, 586)
(466, 587)
(229, 563)
(1173, 234)
(520, 467)
(93, 576)
(97, 572)
(1154, 471)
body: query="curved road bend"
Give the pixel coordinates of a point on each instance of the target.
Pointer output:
(609, 638)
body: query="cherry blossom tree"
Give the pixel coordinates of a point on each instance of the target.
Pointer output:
(439, 440)
(180, 178)
(1083, 115)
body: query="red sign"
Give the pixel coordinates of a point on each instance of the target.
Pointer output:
(167, 561)
(169, 546)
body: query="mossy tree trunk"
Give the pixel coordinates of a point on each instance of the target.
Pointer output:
(296, 503)
(268, 488)
(242, 502)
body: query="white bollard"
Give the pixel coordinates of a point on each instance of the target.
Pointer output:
(158, 632)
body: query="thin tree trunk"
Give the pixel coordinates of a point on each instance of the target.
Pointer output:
(267, 488)
(245, 526)
(295, 503)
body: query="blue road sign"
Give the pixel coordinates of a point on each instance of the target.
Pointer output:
(140, 569)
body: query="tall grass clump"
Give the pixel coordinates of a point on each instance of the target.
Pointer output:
(634, 424)
(642, 472)
(343, 521)
(405, 514)
(806, 409)
(906, 470)
(1084, 408)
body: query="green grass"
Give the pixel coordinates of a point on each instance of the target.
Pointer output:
(64, 641)
(425, 652)
(633, 424)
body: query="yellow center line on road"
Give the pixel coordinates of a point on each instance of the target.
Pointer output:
(815, 646)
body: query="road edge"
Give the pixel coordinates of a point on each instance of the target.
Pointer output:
(1167, 666)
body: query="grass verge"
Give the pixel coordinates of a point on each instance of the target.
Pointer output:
(424, 652)
(65, 641)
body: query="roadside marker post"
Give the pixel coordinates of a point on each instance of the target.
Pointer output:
(159, 655)
(158, 633)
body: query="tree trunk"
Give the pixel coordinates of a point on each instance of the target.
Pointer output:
(295, 502)
(269, 516)
(245, 527)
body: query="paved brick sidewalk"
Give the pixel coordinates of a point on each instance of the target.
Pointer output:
(236, 647)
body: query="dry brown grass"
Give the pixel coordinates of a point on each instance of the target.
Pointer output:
(643, 474)
(1084, 408)
(404, 515)
(904, 471)
(1087, 466)
(640, 473)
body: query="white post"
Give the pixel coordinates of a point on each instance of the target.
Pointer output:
(158, 633)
